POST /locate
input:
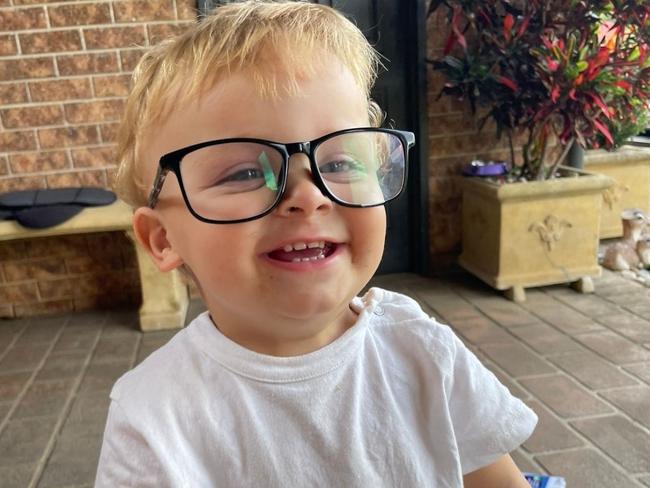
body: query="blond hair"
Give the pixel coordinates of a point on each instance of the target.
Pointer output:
(271, 40)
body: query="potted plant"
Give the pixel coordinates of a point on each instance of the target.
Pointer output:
(628, 166)
(545, 73)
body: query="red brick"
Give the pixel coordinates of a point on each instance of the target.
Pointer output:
(20, 293)
(57, 289)
(84, 64)
(12, 250)
(102, 244)
(73, 245)
(186, 9)
(8, 45)
(130, 58)
(85, 265)
(14, 118)
(158, 32)
(109, 132)
(63, 89)
(13, 93)
(23, 18)
(4, 166)
(97, 157)
(110, 37)
(38, 162)
(79, 178)
(68, 136)
(47, 42)
(39, 269)
(82, 14)
(19, 69)
(100, 111)
(450, 124)
(21, 183)
(143, 10)
(17, 140)
(112, 85)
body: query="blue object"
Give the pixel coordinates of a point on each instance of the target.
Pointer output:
(544, 481)
(485, 168)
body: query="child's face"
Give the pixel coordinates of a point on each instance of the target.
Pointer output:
(261, 302)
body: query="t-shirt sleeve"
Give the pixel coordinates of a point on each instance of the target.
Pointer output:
(488, 421)
(126, 459)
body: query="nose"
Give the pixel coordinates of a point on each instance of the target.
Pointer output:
(302, 197)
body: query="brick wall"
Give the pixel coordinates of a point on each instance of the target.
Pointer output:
(53, 275)
(64, 74)
(64, 70)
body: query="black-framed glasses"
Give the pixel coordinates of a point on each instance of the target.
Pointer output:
(228, 181)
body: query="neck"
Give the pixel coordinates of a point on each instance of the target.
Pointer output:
(285, 337)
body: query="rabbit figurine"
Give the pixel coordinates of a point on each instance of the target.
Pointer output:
(622, 255)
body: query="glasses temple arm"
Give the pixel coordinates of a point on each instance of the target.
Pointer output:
(157, 186)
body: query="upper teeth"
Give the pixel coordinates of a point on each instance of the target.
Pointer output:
(299, 246)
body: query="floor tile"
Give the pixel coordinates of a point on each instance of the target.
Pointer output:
(550, 434)
(622, 440)
(584, 468)
(565, 396)
(592, 370)
(635, 401)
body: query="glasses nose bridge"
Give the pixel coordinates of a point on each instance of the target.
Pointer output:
(299, 148)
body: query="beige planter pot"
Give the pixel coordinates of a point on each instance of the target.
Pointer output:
(531, 234)
(629, 167)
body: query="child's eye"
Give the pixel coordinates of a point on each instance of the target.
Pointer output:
(243, 175)
(343, 170)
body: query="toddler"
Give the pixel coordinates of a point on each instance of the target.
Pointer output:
(253, 157)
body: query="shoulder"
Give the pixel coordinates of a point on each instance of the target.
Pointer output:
(401, 322)
(164, 373)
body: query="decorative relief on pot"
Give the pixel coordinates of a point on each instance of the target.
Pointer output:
(550, 230)
(614, 193)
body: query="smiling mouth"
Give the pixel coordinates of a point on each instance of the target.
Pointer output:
(304, 252)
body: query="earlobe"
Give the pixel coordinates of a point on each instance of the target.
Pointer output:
(151, 234)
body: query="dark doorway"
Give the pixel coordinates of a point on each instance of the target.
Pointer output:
(397, 30)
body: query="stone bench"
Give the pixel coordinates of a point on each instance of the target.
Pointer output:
(164, 295)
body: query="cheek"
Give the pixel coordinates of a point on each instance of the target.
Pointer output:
(370, 231)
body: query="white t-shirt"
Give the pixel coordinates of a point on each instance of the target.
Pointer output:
(397, 400)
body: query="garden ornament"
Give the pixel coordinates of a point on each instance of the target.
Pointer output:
(622, 255)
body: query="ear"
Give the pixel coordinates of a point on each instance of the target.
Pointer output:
(150, 232)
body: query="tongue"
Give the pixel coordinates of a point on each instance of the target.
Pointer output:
(282, 255)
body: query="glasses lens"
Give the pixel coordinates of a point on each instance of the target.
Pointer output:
(362, 168)
(232, 181)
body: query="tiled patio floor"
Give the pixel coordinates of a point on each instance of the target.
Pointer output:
(582, 362)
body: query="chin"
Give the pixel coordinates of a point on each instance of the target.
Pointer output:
(305, 306)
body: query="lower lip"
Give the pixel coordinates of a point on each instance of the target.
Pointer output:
(314, 265)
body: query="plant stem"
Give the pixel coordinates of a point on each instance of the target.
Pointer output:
(562, 156)
(542, 156)
(512, 148)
